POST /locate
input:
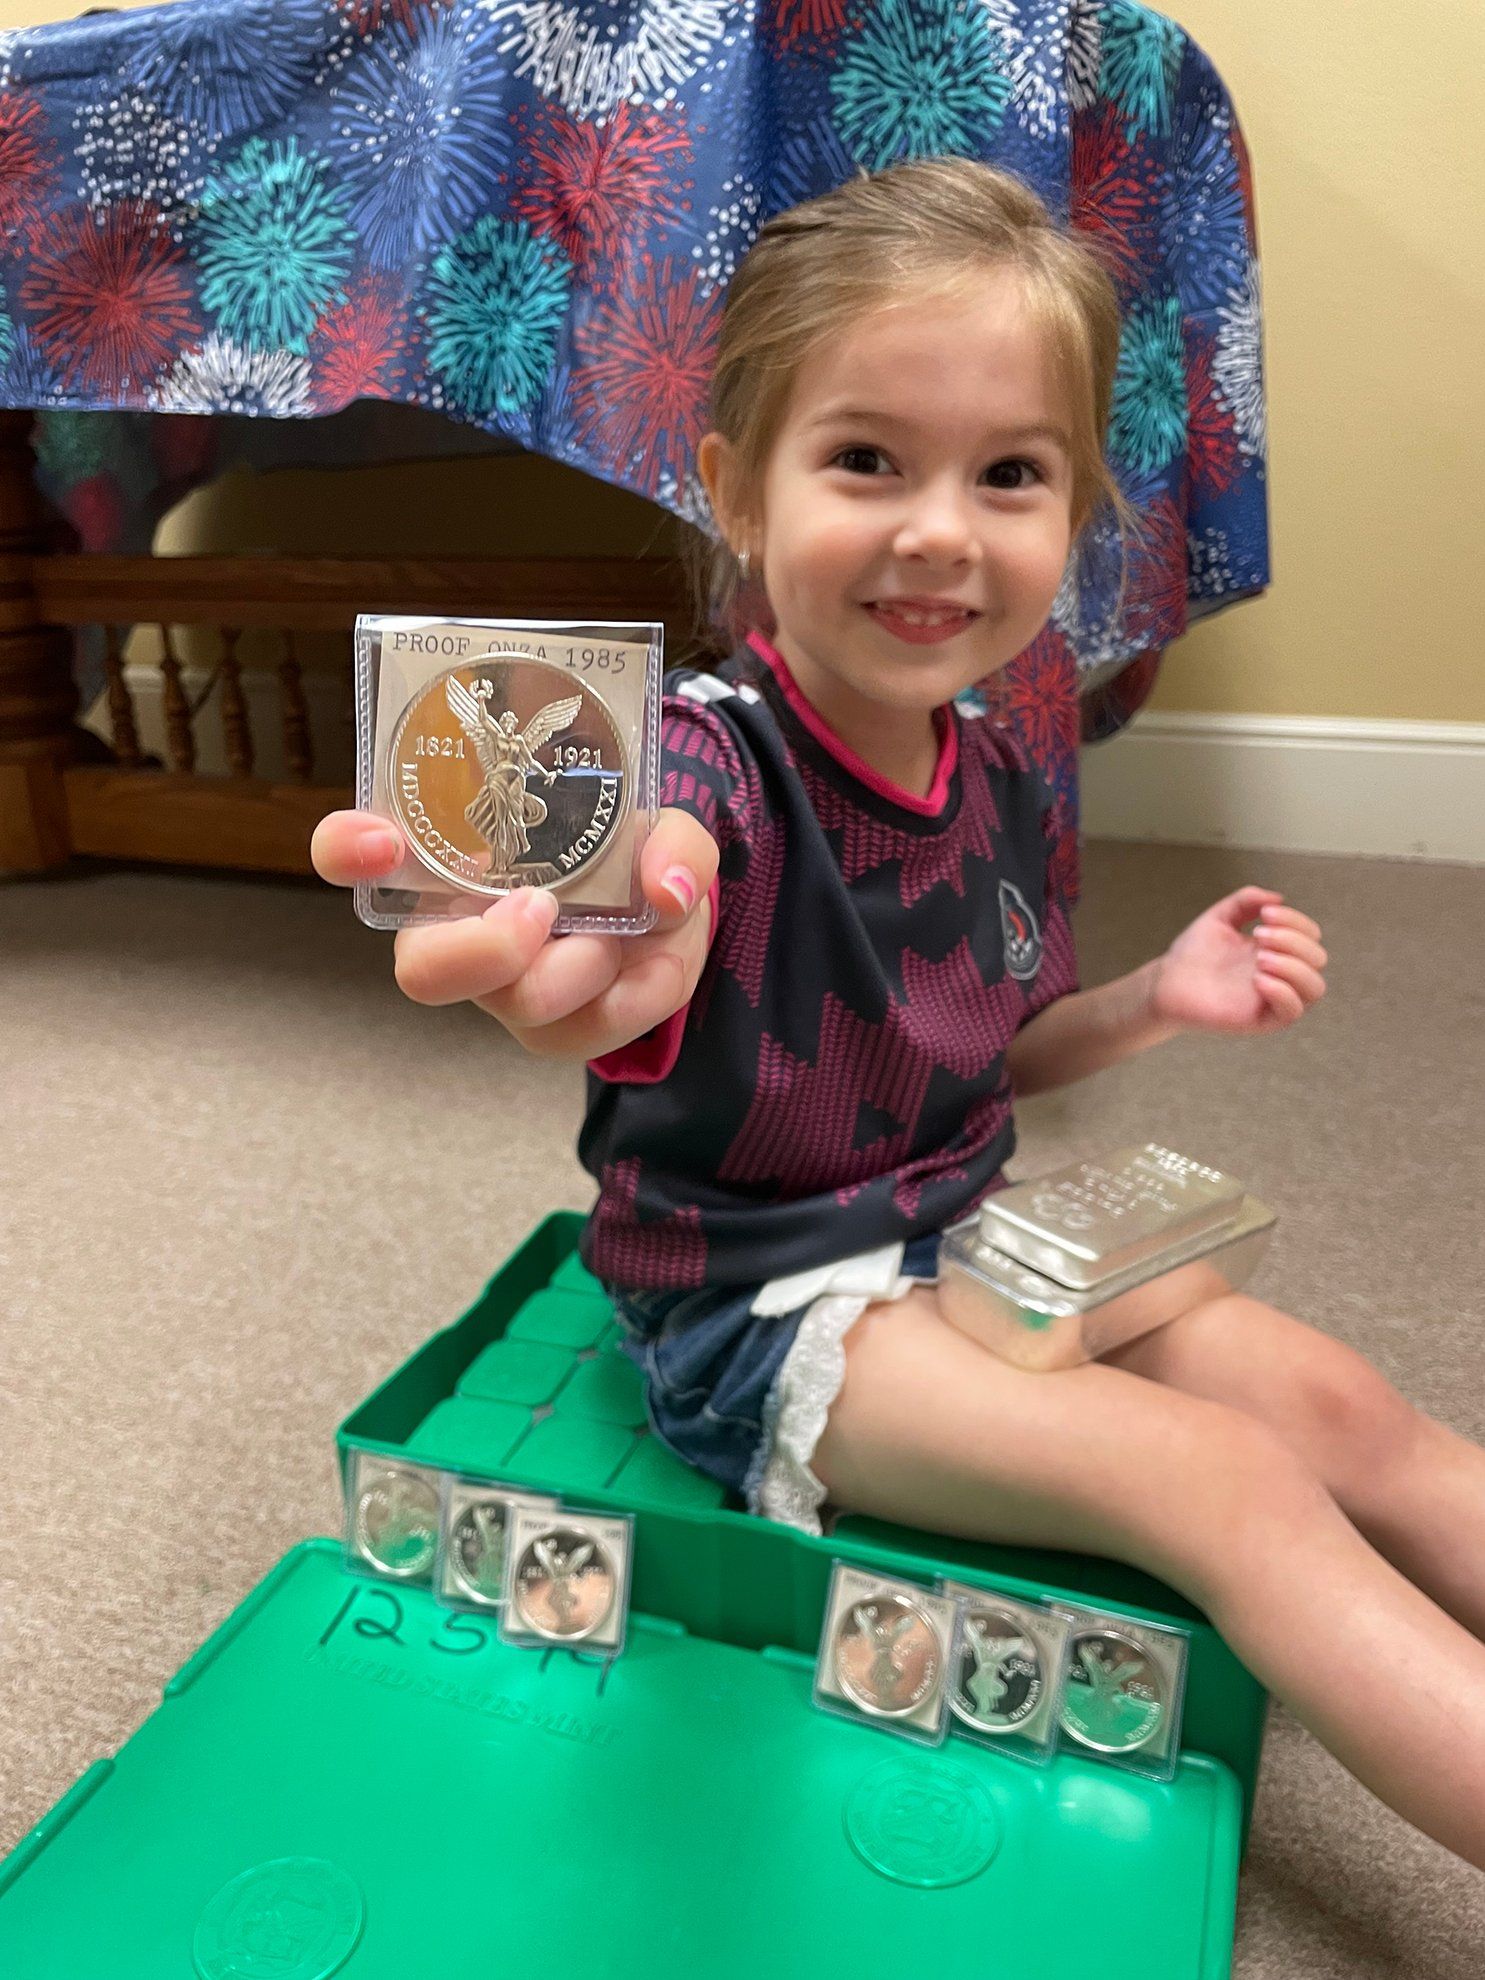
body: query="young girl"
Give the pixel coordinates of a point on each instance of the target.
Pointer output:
(806, 1071)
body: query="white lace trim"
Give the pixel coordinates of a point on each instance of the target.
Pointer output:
(806, 1386)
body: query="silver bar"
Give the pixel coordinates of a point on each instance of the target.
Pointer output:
(1088, 1224)
(1034, 1322)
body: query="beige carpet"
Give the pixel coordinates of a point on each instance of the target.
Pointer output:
(241, 1178)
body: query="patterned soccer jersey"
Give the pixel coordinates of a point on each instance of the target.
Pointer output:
(839, 1078)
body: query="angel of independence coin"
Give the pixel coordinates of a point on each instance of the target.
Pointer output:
(508, 772)
(1115, 1697)
(396, 1523)
(564, 1584)
(477, 1549)
(887, 1656)
(1000, 1680)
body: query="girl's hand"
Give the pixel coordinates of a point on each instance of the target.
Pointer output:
(1216, 978)
(575, 997)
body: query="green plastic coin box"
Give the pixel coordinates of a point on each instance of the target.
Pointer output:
(563, 1319)
(469, 1432)
(608, 1389)
(348, 1777)
(529, 1372)
(584, 1454)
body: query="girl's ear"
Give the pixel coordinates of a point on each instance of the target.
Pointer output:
(714, 463)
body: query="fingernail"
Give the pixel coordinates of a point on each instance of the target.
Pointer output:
(679, 881)
(383, 846)
(539, 906)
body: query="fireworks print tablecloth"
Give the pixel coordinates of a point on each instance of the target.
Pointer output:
(523, 214)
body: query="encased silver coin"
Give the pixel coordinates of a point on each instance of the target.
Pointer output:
(886, 1655)
(395, 1522)
(564, 1584)
(508, 772)
(477, 1549)
(1115, 1697)
(1000, 1680)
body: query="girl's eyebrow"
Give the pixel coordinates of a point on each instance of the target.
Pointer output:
(862, 415)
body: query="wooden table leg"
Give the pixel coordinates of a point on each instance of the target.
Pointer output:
(37, 695)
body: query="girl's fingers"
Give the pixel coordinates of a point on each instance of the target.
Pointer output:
(477, 956)
(1292, 942)
(1246, 903)
(657, 975)
(678, 865)
(563, 976)
(1288, 917)
(354, 845)
(1307, 983)
(1282, 998)
(639, 998)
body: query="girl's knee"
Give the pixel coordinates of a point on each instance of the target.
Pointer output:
(1248, 1493)
(1357, 1427)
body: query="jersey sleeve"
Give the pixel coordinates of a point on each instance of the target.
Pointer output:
(702, 772)
(1057, 975)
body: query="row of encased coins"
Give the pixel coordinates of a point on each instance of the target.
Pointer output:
(547, 1574)
(1019, 1677)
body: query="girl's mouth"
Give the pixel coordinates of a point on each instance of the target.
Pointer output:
(921, 625)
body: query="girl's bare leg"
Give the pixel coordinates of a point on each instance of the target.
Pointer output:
(932, 1429)
(1414, 1488)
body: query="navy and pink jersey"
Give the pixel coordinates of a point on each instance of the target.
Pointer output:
(838, 1080)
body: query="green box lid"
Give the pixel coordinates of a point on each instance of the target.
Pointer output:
(347, 1778)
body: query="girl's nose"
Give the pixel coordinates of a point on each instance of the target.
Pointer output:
(938, 526)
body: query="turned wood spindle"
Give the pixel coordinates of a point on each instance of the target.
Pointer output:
(237, 733)
(120, 703)
(179, 739)
(298, 743)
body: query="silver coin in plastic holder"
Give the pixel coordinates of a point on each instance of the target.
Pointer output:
(394, 1519)
(564, 1584)
(886, 1657)
(1116, 1699)
(477, 1549)
(1000, 1681)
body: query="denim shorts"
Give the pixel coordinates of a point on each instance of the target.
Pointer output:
(710, 1365)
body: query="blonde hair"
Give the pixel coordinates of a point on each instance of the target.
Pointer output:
(927, 228)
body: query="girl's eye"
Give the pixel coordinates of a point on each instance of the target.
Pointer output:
(851, 458)
(1014, 467)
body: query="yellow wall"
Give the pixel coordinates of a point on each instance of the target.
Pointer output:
(1363, 122)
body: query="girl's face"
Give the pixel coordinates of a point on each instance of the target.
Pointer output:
(916, 508)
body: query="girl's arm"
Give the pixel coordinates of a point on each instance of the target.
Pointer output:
(1086, 1031)
(1213, 977)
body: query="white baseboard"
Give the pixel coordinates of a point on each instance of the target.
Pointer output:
(1390, 790)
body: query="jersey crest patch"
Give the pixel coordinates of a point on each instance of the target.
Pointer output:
(1023, 939)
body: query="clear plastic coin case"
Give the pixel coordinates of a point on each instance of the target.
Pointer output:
(1126, 1685)
(1005, 1690)
(475, 1520)
(509, 753)
(391, 1519)
(566, 1579)
(886, 1654)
